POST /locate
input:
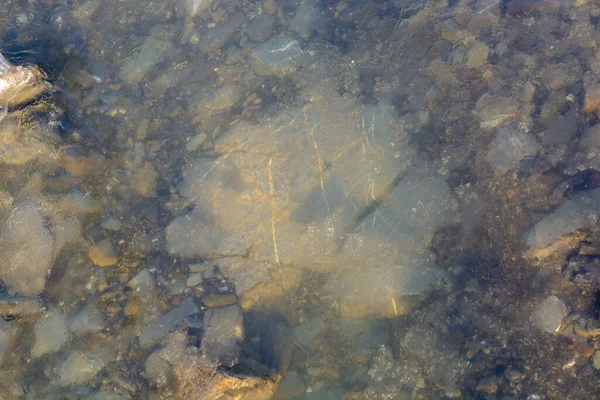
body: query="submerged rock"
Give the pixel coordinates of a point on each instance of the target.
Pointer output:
(218, 36)
(510, 145)
(222, 334)
(578, 213)
(150, 54)
(286, 188)
(493, 111)
(26, 250)
(80, 367)
(50, 332)
(260, 28)
(20, 84)
(207, 105)
(306, 21)
(278, 56)
(8, 333)
(549, 314)
(168, 322)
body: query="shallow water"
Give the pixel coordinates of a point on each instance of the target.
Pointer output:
(217, 199)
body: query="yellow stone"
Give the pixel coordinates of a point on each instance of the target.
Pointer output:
(103, 254)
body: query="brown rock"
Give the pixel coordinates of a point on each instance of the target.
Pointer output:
(103, 254)
(198, 383)
(592, 99)
(219, 300)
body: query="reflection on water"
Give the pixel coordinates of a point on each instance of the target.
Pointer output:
(218, 199)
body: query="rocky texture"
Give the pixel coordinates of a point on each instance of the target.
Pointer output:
(223, 331)
(20, 84)
(204, 383)
(168, 322)
(510, 145)
(139, 64)
(22, 143)
(50, 332)
(80, 367)
(218, 36)
(207, 105)
(306, 21)
(493, 111)
(103, 254)
(278, 56)
(260, 28)
(8, 333)
(548, 315)
(578, 213)
(26, 250)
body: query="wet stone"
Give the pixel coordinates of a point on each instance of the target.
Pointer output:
(278, 56)
(207, 105)
(8, 334)
(291, 386)
(222, 334)
(87, 320)
(26, 250)
(478, 55)
(510, 145)
(305, 22)
(195, 142)
(50, 332)
(168, 322)
(592, 99)
(549, 314)
(103, 254)
(19, 84)
(80, 367)
(219, 300)
(150, 54)
(578, 213)
(260, 28)
(493, 111)
(217, 37)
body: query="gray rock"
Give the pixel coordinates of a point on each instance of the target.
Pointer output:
(207, 105)
(510, 145)
(50, 333)
(580, 212)
(87, 320)
(278, 56)
(260, 28)
(223, 331)
(493, 111)
(305, 22)
(157, 369)
(549, 314)
(136, 67)
(168, 322)
(244, 273)
(26, 250)
(81, 367)
(218, 36)
(8, 333)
